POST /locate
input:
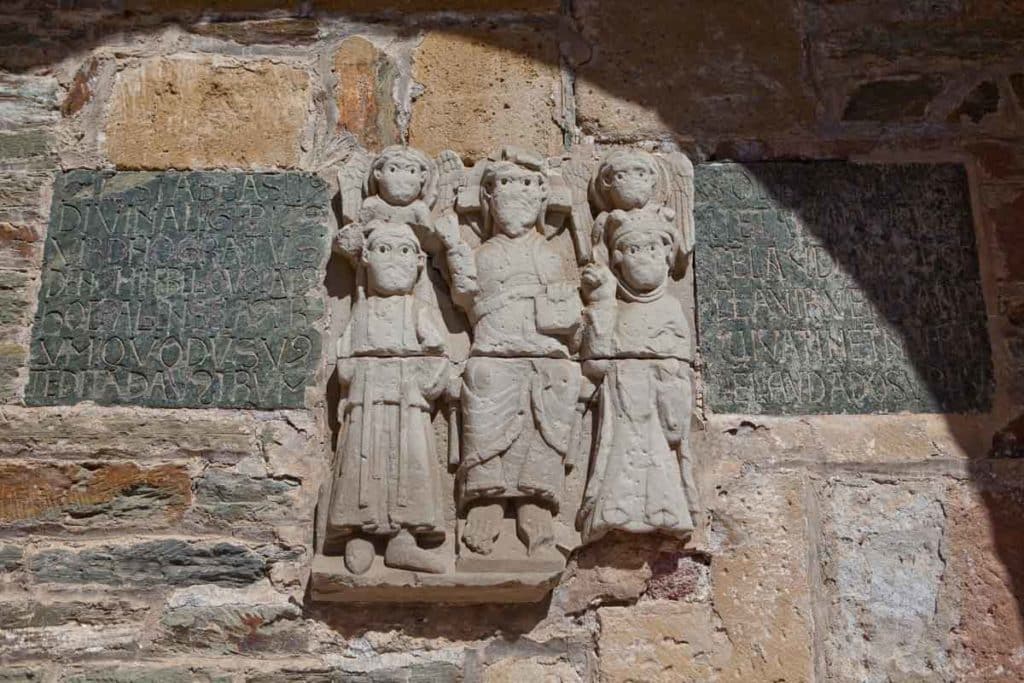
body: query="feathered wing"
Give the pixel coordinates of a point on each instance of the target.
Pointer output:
(351, 181)
(576, 171)
(450, 175)
(679, 174)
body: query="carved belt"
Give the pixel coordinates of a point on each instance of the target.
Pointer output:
(492, 303)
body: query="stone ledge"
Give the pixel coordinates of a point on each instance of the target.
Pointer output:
(331, 582)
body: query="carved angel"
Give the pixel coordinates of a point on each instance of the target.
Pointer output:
(633, 180)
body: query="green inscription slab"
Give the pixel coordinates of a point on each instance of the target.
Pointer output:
(180, 290)
(830, 287)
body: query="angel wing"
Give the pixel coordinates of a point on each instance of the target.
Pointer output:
(450, 175)
(351, 180)
(678, 172)
(576, 171)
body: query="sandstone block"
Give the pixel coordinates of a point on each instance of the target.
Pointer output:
(691, 68)
(534, 669)
(199, 112)
(985, 551)
(485, 89)
(760, 581)
(882, 563)
(91, 495)
(366, 106)
(171, 562)
(661, 641)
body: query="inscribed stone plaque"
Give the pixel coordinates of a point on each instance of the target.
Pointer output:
(180, 290)
(830, 287)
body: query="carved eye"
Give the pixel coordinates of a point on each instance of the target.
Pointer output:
(526, 182)
(504, 181)
(619, 175)
(633, 249)
(405, 250)
(383, 249)
(392, 169)
(651, 248)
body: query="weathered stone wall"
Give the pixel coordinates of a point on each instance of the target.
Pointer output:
(174, 544)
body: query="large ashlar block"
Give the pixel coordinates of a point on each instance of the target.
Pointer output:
(984, 563)
(486, 88)
(883, 561)
(662, 641)
(761, 573)
(691, 67)
(199, 112)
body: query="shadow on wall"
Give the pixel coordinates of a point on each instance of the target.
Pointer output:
(763, 87)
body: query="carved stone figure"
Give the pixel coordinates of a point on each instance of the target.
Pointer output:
(390, 360)
(637, 343)
(519, 389)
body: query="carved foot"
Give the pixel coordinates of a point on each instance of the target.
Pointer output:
(534, 527)
(483, 525)
(359, 554)
(403, 553)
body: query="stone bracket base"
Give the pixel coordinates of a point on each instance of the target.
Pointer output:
(332, 582)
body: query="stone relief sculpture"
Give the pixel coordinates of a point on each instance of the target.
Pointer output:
(564, 271)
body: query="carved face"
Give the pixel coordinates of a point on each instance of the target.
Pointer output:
(642, 260)
(400, 181)
(393, 264)
(630, 182)
(515, 198)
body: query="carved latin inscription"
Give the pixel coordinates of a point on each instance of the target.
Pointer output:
(839, 288)
(180, 290)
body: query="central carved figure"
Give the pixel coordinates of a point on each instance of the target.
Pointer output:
(519, 389)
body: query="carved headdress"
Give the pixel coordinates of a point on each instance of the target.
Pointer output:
(620, 223)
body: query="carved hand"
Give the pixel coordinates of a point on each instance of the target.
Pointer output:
(598, 284)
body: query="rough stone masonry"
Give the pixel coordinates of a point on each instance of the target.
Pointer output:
(174, 528)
